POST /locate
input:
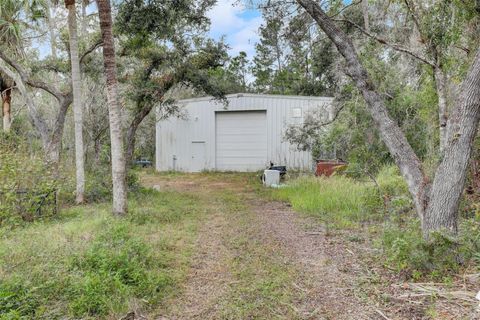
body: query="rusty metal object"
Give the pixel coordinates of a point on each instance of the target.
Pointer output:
(328, 167)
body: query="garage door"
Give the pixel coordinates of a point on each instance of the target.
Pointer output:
(241, 140)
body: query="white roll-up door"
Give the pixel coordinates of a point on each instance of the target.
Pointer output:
(241, 140)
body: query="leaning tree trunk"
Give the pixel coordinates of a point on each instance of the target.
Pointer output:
(393, 137)
(437, 203)
(77, 102)
(53, 142)
(51, 139)
(132, 130)
(118, 160)
(7, 109)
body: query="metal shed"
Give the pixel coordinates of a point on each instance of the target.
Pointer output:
(245, 135)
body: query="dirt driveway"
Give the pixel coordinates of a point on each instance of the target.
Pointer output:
(257, 259)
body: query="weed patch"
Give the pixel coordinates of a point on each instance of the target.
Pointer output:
(117, 264)
(338, 201)
(436, 259)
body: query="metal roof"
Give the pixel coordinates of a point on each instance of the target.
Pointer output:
(257, 95)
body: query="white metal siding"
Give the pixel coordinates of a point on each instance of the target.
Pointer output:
(198, 156)
(176, 136)
(241, 140)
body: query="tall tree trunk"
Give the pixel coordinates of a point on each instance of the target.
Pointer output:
(441, 88)
(7, 112)
(118, 160)
(51, 31)
(393, 137)
(84, 19)
(279, 61)
(436, 203)
(1, 100)
(449, 182)
(77, 102)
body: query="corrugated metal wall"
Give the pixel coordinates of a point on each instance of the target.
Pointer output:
(174, 136)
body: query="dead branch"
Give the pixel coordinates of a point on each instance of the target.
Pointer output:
(429, 289)
(382, 314)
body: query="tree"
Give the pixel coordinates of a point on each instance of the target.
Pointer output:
(116, 137)
(77, 102)
(268, 61)
(12, 20)
(290, 58)
(238, 68)
(51, 21)
(438, 27)
(436, 202)
(150, 88)
(51, 137)
(95, 119)
(6, 87)
(164, 56)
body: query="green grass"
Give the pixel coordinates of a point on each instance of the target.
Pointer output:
(88, 264)
(338, 201)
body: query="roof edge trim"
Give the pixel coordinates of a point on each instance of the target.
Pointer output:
(257, 95)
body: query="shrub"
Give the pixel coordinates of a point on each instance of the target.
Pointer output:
(98, 186)
(91, 265)
(97, 281)
(27, 187)
(394, 191)
(391, 182)
(407, 252)
(17, 301)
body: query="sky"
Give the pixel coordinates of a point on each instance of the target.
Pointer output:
(229, 19)
(237, 24)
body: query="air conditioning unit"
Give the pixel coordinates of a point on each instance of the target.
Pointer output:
(271, 177)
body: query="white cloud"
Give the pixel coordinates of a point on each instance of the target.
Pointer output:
(229, 18)
(225, 17)
(246, 38)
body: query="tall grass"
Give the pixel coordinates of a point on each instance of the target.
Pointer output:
(337, 200)
(344, 203)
